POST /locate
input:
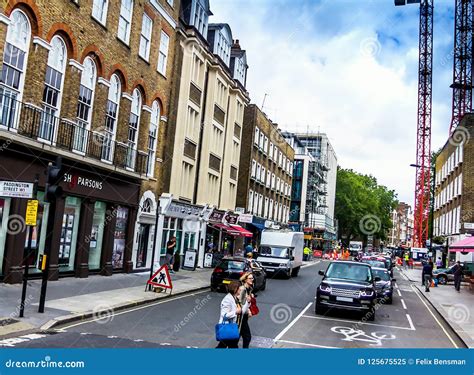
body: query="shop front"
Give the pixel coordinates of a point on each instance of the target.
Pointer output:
(184, 221)
(94, 220)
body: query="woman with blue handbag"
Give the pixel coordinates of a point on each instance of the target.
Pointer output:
(228, 329)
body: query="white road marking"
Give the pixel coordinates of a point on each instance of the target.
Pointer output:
(411, 322)
(396, 285)
(357, 322)
(311, 345)
(351, 334)
(137, 308)
(287, 328)
(403, 303)
(403, 275)
(435, 318)
(398, 291)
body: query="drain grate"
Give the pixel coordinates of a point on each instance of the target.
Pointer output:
(7, 321)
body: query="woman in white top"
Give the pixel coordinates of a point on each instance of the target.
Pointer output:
(232, 310)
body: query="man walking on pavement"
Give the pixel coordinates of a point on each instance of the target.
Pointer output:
(427, 275)
(457, 272)
(170, 249)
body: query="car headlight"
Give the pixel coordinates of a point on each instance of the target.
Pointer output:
(325, 288)
(367, 293)
(283, 265)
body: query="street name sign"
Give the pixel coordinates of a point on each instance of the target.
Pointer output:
(15, 189)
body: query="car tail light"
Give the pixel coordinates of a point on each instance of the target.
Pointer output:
(218, 270)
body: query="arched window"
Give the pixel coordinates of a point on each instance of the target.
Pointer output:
(133, 124)
(52, 88)
(152, 137)
(111, 116)
(147, 206)
(13, 68)
(84, 106)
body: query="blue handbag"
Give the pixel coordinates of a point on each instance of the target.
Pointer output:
(227, 330)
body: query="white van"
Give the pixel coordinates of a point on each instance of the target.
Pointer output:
(281, 251)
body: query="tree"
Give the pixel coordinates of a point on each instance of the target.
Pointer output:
(362, 206)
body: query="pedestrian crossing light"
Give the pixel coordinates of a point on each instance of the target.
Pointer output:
(54, 176)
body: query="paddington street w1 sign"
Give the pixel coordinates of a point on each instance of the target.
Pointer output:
(15, 189)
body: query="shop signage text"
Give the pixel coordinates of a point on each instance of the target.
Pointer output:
(75, 180)
(182, 210)
(245, 218)
(15, 189)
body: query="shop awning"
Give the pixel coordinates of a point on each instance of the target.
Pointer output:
(258, 226)
(465, 245)
(226, 228)
(242, 231)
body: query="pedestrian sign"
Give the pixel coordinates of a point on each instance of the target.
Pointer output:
(161, 278)
(31, 212)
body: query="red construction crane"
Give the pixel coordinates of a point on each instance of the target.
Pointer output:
(423, 145)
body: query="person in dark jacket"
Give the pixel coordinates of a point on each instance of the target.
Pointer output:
(457, 272)
(427, 275)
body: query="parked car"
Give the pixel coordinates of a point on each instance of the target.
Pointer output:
(384, 286)
(444, 275)
(347, 285)
(232, 268)
(374, 261)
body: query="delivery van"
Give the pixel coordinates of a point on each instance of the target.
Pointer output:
(281, 252)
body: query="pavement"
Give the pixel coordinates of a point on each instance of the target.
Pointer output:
(286, 320)
(456, 308)
(72, 299)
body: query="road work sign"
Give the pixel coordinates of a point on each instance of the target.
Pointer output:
(161, 278)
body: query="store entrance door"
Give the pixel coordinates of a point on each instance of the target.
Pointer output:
(144, 242)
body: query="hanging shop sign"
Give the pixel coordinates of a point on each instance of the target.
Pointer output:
(183, 210)
(231, 218)
(216, 216)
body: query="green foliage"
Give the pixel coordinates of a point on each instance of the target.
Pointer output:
(358, 197)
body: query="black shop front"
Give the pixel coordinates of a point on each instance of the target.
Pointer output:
(94, 219)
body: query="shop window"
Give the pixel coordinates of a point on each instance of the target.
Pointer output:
(4, 212)
(120, 236)
(97, 235)
(69, 230)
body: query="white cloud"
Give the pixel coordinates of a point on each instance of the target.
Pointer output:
(354, 84)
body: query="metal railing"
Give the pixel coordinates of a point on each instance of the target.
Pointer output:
(42, 125)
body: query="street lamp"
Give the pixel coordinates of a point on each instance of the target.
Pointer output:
(433, 168)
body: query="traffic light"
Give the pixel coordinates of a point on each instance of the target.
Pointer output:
(54, 176)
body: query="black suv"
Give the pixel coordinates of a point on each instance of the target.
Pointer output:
(347, 286)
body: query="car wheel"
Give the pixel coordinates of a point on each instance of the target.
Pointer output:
(319, 309)
(295, 272)
(371, 315)
(288, 274)
(213, 288)
(443, 280)
(390, 300)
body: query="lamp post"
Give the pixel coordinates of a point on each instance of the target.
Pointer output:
(433, 182)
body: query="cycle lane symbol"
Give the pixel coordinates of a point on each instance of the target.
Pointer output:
(373, 338)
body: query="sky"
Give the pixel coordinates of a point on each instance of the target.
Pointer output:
(348, 68)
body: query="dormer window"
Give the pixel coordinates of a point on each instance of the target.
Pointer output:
(200, 18)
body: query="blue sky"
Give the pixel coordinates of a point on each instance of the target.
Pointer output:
(347, 68)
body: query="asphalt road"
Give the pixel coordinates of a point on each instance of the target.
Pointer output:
(286, 319)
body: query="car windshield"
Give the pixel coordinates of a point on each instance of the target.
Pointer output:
(374, 263)
(348, 271)
(384, 276)
(231, 265)
(274, 251)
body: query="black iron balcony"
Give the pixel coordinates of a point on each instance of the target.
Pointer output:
(42, 125)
